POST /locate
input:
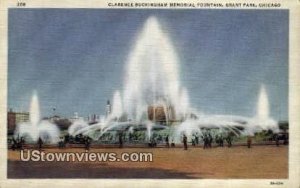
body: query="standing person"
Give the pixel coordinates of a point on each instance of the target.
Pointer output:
(185, 142)
(167, 141)
(120, 140)
(229, 140)
(14, 144)
(22, 142)
(40, 143)
(249, 141)
(210, 140)
(277, 140)
(221, 141)
(173, 143)
(205, 140)
(197, 139)
(67, 138)
(18, 143)
(130, 136)
(87, 143)
(61, 142)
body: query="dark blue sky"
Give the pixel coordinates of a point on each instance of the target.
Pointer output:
(75, 58)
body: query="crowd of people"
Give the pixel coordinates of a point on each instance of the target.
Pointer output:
(207, 138)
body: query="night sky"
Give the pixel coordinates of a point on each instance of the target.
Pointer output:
(75, 58)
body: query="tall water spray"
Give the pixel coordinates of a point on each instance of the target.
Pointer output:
(262, 120)
(34, 109)
(152, 71)
(35, 128)
(117, 108)
(263, 104)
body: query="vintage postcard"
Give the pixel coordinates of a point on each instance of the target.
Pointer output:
(139, 93)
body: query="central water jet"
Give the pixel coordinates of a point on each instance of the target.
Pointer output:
(152, 71)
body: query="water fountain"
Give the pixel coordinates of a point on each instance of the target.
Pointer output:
(152, 83)
(262, 120)
(36, 128)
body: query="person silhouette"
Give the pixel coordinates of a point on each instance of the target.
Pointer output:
(185, 142)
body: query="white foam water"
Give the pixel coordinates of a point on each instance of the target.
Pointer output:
(35, 128)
